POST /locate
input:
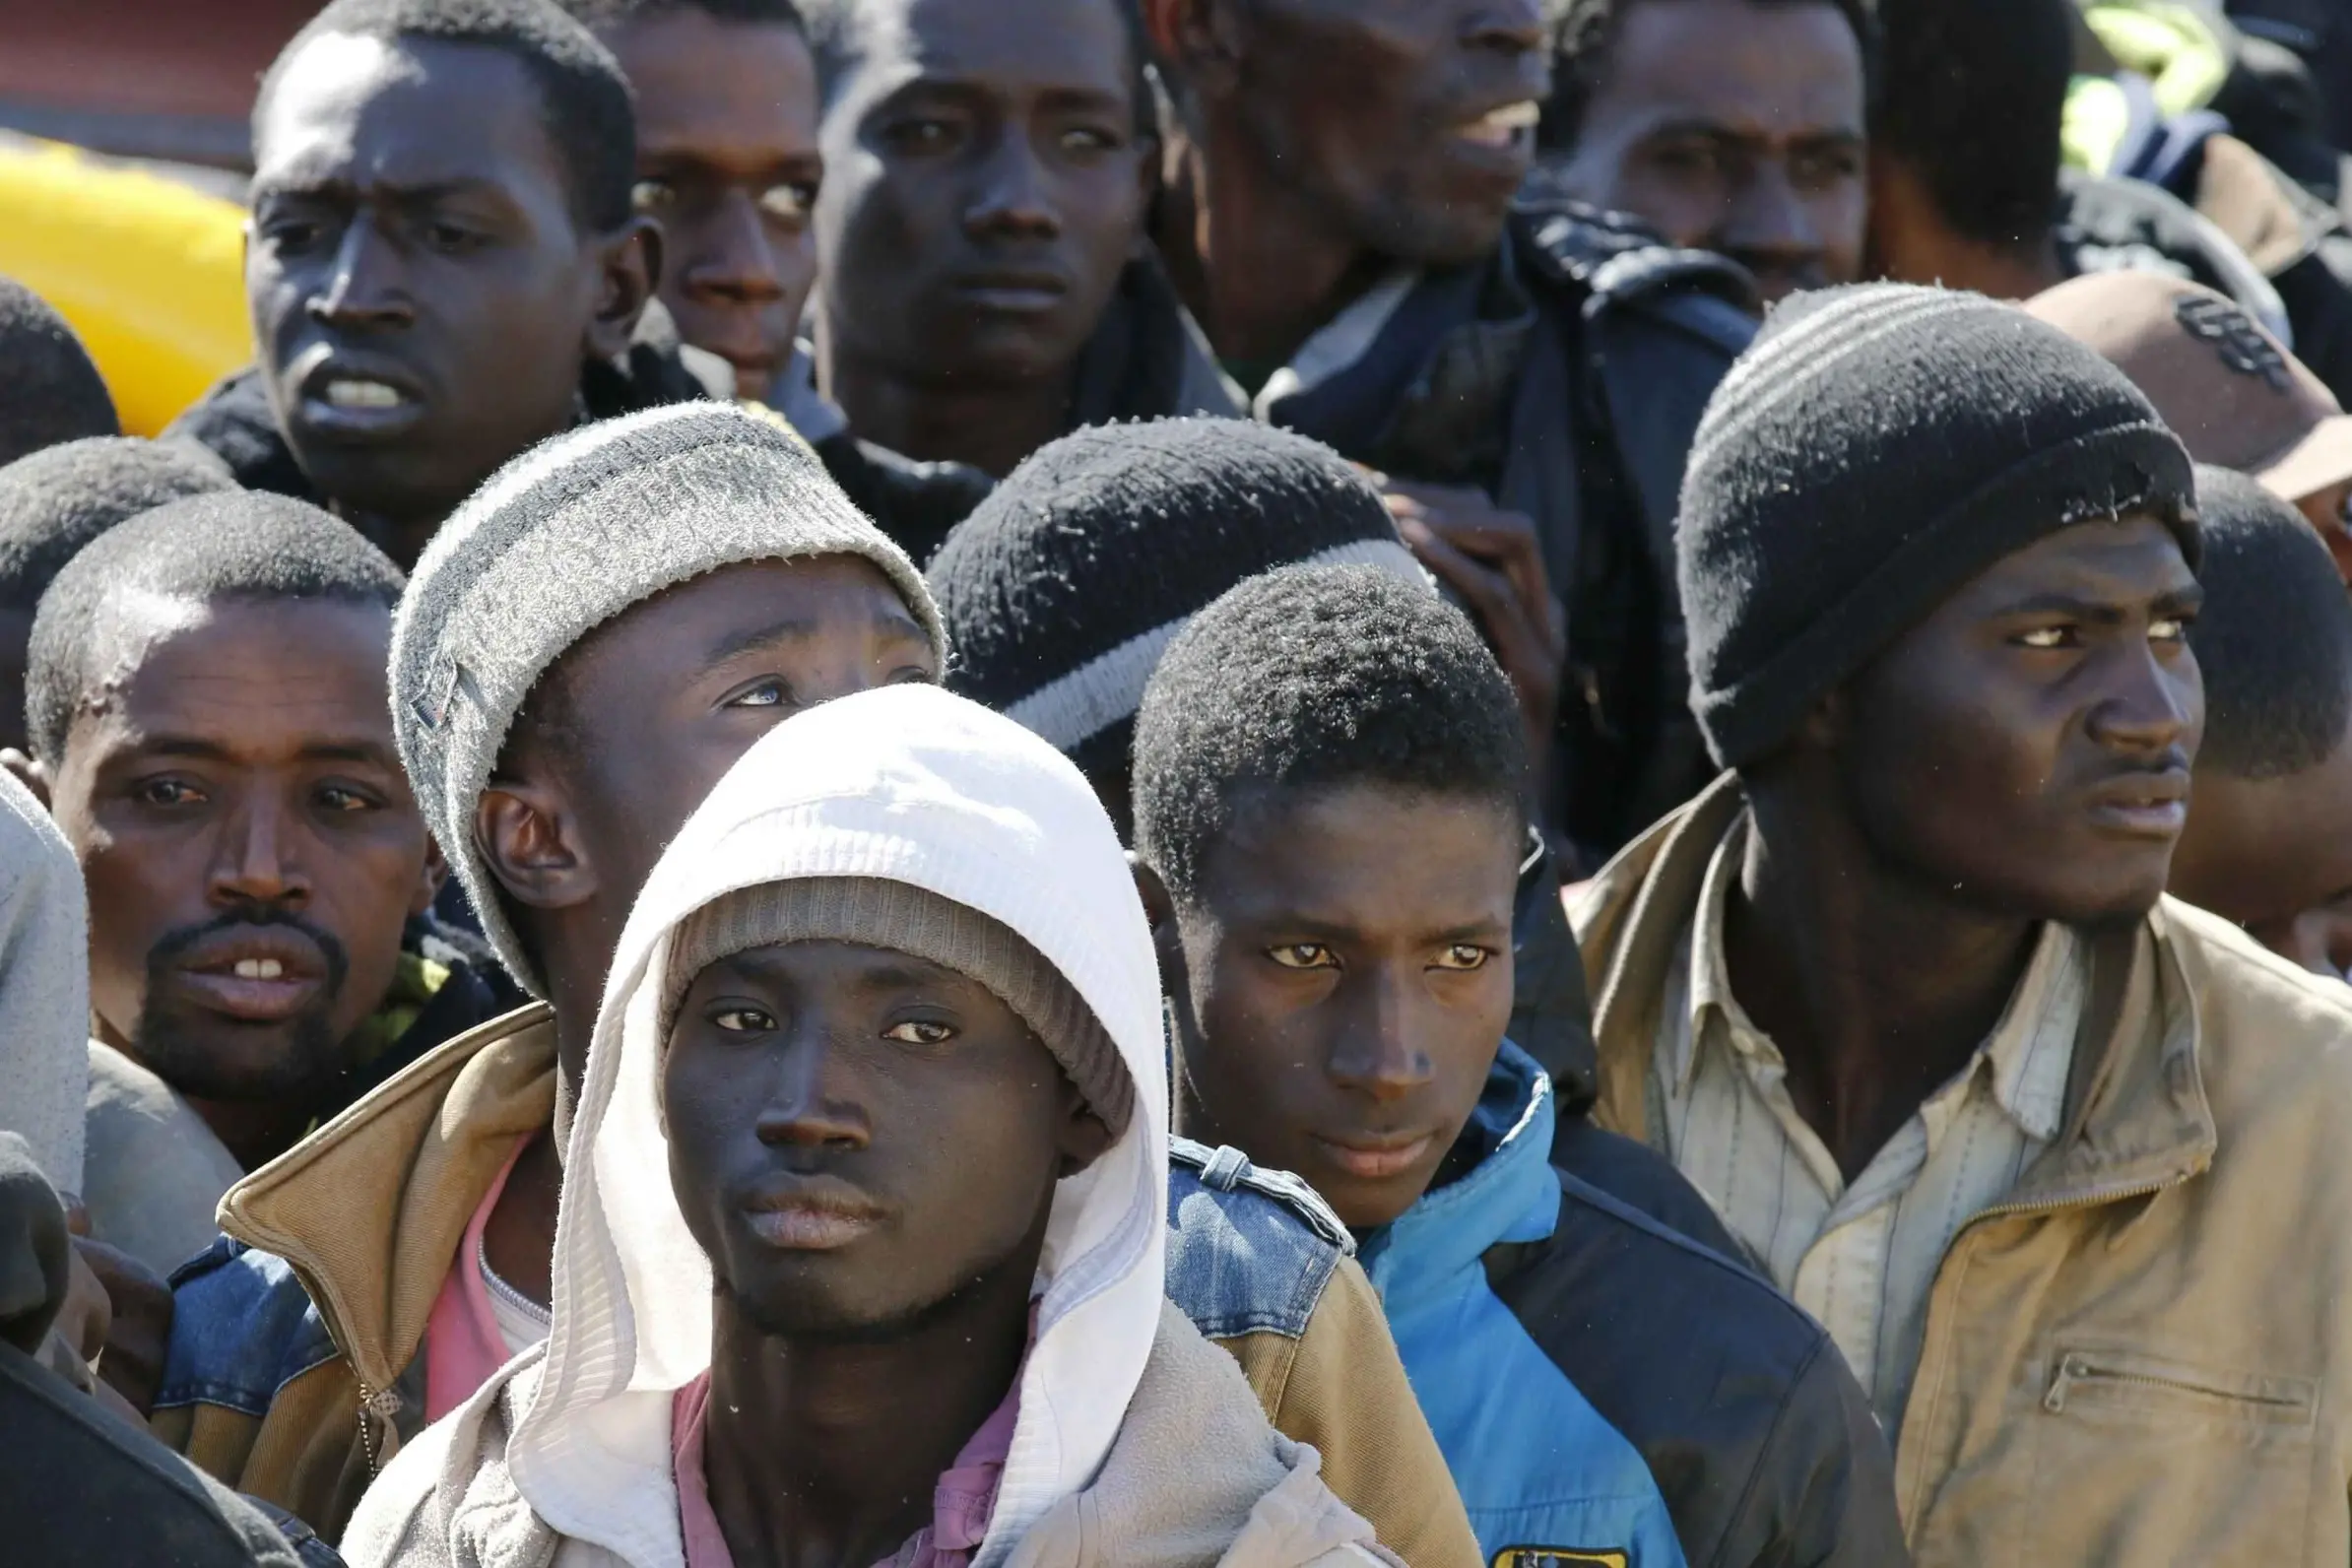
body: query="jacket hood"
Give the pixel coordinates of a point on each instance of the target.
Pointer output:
(907, 784)
(45, 987)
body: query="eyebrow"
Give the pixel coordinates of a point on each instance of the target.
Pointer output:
(198, 749)
(413, 195)
(1717, 130)
(2104, 612)
(785, 633)
(900, 972)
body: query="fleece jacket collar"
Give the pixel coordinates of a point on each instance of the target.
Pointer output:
(1511, 1194)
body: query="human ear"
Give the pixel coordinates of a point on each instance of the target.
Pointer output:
(435, 872)
(1199, 39)
(1159, 909)
(631, 269)
(34, 776)
(526, 835)
(1085, 1136)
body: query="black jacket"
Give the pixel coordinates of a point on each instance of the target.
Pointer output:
(1565, 376)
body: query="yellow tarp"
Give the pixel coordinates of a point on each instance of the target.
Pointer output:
(149, 272)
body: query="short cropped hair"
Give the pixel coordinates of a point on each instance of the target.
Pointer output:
(235, 545)
(612, 13)
(2274, 638)
(1582, 31)
(52, 393)
(1970, 96)
(590, 114)
(1317, 677)
(836, 32)
(59, 500)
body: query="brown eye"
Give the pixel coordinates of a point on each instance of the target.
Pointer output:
(919, 1031)
(652, 195)
(1304, 955)
(1464, 957)
(742, 1020)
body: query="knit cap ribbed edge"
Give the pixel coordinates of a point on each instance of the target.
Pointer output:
(875, 912)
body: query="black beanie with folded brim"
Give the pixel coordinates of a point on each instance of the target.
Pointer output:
(1875, 449)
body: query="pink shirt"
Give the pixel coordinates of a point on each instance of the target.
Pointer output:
(961, 1503)
(462, 1342)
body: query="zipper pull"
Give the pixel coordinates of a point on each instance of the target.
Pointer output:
(2073, 1369)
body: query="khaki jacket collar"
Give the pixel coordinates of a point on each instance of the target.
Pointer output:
(2137, 1117)
(370, 1209)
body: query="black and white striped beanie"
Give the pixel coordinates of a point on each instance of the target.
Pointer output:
(1062, 591)
(561, 541)
(1873, 450)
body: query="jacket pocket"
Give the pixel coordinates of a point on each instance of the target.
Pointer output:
(2093, 1382)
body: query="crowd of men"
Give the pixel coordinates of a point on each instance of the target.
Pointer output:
(1186, 782)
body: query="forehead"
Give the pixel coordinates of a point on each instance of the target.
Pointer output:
(1037, 45)
(704, 80)
(1779, 69)
(405, 114)
(840, 601)
(2123, 562)
(247, 674)
(1364, 855)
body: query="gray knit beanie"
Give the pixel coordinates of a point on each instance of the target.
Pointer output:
(566, 537)
(899, 916)
(1873, 450)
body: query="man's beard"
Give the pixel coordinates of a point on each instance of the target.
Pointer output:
(178, 1043)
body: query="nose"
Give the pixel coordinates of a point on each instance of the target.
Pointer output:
(1013, 198)
(365, 287)
(2152, 707)
(734, 259)
(1377, 1055)
(804, 1109)
(1504, 27)
(253, 862)
(1767, 220)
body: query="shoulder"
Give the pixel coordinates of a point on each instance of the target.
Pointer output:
(1623, 266)
(2271, 1034)
(233, 423)
(241, 1328)
(1249, 1250)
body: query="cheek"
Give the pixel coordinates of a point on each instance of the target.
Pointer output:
(1959, 774)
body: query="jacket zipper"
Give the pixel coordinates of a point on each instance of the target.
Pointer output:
(381, 1404)
(2078, 1368)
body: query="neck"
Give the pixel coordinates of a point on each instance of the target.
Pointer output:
(825, 1451)
(1257, 265)
(989, 423)
(575, 947)
(1910, 242)
(256, 1132)
(1876, 988)
(403, 538)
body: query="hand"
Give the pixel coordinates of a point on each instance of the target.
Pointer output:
(1493, 559)
(139, 1327)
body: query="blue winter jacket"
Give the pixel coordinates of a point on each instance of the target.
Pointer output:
(1546, 1478)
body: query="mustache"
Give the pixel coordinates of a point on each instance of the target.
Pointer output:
(173, 944)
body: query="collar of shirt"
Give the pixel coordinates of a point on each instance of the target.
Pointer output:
(2027, 1057)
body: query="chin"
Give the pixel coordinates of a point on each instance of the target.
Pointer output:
(1441, 234)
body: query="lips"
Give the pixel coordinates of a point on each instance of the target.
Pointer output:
(355, 397)
(819, 1215)
(264, 974)
(1373, 1157)
(1014, 292)
(2150, 806)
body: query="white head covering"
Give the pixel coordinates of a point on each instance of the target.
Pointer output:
(907, 784)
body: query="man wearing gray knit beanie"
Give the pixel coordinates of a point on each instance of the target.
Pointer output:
(1901, 991)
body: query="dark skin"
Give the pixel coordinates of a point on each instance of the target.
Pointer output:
(1341, 979)
(866, 1145)
(728, 165)
(424, 291)
(984, 188)
(2329, 512)
(2021, 754)
(1734, 127)
(250, 846)
(15, 638)
(2270, 853)
(1909, 241)
(599, 778)
(1330, 141)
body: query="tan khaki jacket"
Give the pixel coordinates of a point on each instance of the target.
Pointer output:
(2142, 1358)
(370, 1211)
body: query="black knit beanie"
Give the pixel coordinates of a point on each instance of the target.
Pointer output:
(1064, 588)
(1873, 450)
